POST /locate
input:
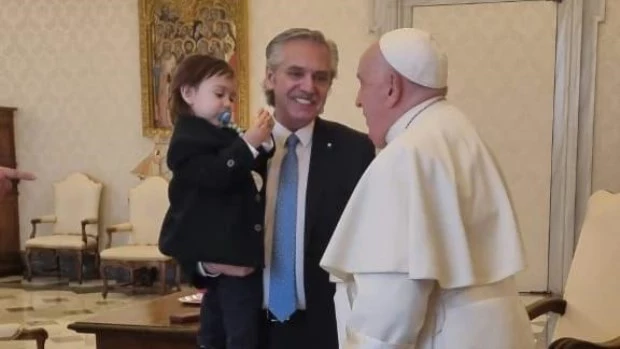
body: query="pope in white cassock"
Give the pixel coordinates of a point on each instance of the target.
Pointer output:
(426, 250)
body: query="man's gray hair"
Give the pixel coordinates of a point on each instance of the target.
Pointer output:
(273, 52)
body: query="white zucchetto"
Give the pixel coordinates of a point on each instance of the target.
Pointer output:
(416, 55)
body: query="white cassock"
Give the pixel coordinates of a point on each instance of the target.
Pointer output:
(427, 248)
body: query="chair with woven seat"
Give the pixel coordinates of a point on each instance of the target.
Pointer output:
(148, 203)
(77, 200)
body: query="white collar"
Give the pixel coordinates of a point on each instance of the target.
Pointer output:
(304, 134)
(401, 124)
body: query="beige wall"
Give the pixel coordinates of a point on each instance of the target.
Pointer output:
(606, 158)
(72, 69)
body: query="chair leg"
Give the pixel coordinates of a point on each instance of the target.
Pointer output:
(97, 264)
(38, 334)
(58, 270)
(80, 264)
(104, 277)
(163, 267)
(41, 342)
(132, 279)
(28, 260)
(177, 275)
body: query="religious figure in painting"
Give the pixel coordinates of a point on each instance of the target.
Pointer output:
(176, 35)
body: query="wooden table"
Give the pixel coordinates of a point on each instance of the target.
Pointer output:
(143, 326)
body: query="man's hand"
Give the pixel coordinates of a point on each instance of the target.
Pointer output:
(228, 270)
(7, 174)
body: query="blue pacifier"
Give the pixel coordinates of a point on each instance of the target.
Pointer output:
(225, 117)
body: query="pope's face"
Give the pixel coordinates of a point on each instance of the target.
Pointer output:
(374, 88)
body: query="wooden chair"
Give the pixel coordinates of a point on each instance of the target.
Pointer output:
(148, 203)
(75, 221)
(18, 332)
(590, 307)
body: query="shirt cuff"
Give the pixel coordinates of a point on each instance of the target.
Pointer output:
(268, 145)
(203, 271)
(252, 149)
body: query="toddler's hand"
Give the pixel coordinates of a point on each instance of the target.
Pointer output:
(260, 131)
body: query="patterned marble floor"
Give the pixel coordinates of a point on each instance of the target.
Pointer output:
(54, 310)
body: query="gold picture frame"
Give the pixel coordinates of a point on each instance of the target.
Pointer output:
(172, 29)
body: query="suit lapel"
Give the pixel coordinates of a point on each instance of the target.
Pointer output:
(320, 158)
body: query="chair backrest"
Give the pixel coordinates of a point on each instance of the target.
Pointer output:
(148, 203)
(593, 286)
(76, 197)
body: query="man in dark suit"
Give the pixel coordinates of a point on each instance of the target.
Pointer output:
(311, 177)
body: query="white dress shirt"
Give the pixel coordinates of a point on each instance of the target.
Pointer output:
(304, 147)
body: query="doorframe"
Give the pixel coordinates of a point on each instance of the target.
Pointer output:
(573, 113)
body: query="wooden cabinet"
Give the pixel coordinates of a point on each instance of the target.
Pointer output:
(10, 256)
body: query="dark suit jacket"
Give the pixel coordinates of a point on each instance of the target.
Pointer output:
(338, 159)
(216, 213)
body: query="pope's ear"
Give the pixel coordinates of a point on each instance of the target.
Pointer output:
(395, 90)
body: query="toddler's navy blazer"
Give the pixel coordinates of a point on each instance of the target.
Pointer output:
(216, 212)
